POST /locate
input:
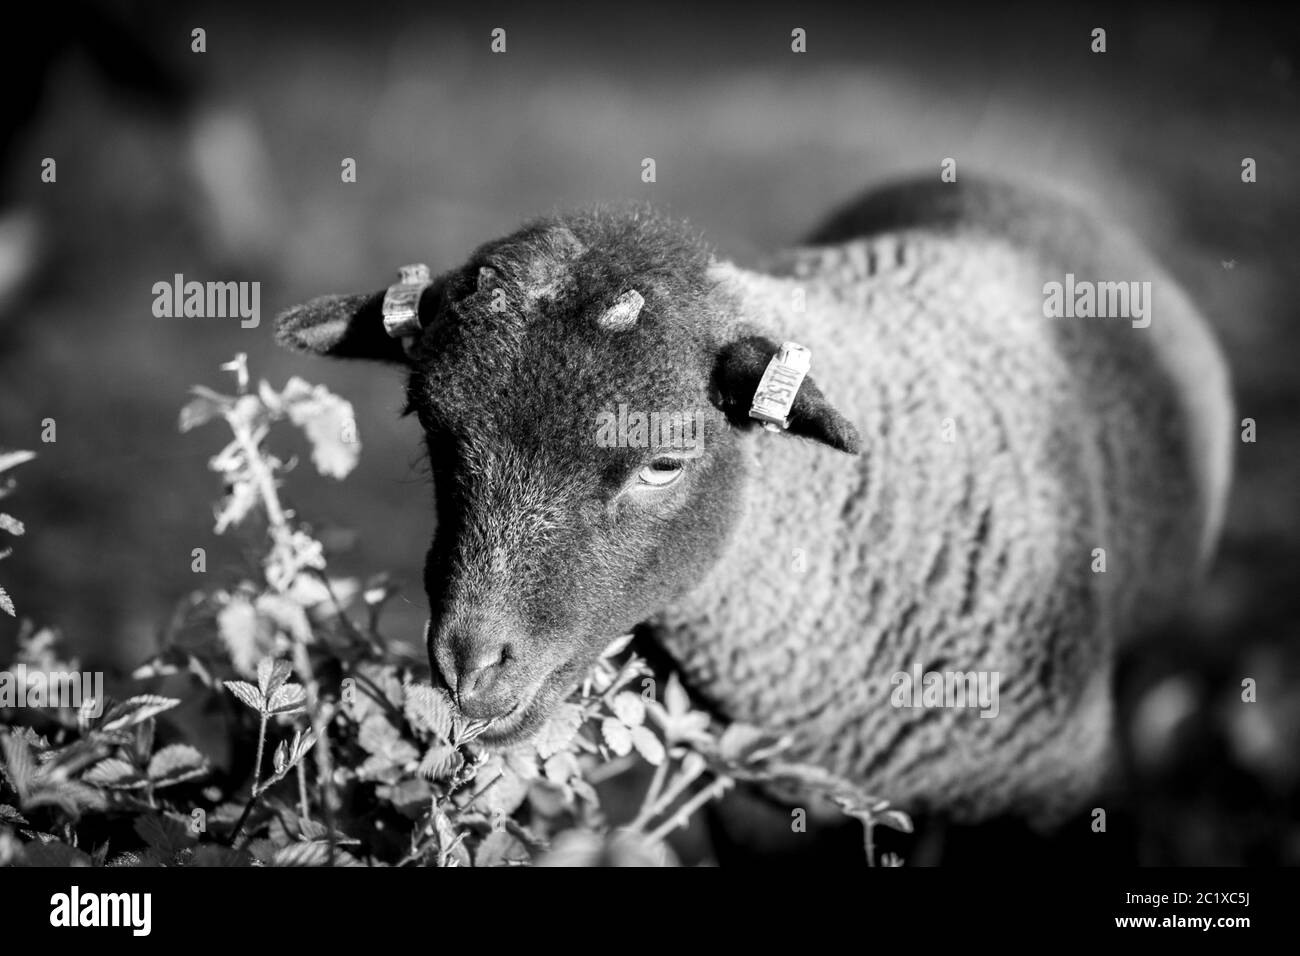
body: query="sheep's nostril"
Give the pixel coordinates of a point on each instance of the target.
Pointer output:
(477, 684)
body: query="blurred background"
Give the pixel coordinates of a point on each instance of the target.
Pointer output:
(225, 165)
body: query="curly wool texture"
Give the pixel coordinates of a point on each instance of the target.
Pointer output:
(975, 554)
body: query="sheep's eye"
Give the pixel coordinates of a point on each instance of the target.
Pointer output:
(661, 472)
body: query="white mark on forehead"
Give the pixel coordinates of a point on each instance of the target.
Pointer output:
(623, 313)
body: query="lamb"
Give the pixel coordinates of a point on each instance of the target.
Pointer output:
(980, 489)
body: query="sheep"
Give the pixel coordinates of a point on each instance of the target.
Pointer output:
(981, 490)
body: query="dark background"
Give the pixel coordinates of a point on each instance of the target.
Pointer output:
(225, 166)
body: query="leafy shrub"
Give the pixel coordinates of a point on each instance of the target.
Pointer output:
(369, 764)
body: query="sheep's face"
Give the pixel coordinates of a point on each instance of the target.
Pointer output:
(583, 388)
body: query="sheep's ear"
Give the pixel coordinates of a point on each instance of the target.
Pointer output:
(344, 326)
(736, 375)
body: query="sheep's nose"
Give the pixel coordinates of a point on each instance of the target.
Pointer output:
(477, 683)
(473, 674)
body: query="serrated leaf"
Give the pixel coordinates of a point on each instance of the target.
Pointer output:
(247, 693)
(629, 708)
(175, 764)
(54, 853)
(302, 854)
(7, 604)
(329, 424)
(19, 764)
(559, 731)
(439, 762)
(501, 790)
(500, 848)
(115, 774)
(136, 709)
(11, 816)
(302, 743)
(271, 674)
(165, 832)
(429, 709)
(288, 699)
(69, 796)
(648, 745)
(615, 734)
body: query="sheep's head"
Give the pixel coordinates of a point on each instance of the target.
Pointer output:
(584, 387)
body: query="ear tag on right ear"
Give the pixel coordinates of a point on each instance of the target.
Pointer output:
(402, 303)
(779, 385)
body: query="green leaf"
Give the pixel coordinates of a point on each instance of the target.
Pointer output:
(429, 709)
(12, 459)
(237, 626)
(7, 604)
(54, 853)
(271, 674)
(175, 764)
(19, 764)
(328, 423)
(288, 699)
(616, 736)
(629, 708)
(11, 816)
(115, 774)
(247, 693)
(649, 746)
(11, 524)
(168, 833)
(440, 762)
(136, 709)
(559, 731)
(500, 848)
(501, 790)
(206, 406)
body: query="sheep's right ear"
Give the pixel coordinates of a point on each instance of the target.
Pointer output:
(345, 326)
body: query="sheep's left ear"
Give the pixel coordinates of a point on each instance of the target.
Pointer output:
(345, 326)
(740, 367)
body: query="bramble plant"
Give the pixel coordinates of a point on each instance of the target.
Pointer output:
(369, 764)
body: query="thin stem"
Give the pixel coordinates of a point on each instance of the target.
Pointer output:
(651, 795)
(319, 724)
(680, 818)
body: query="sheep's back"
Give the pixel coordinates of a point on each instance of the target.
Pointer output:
(976, 553)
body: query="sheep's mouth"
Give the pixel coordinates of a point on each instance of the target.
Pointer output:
(530, 713)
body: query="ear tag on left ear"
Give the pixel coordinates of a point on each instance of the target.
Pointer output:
(402, 304)
(779, 385)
